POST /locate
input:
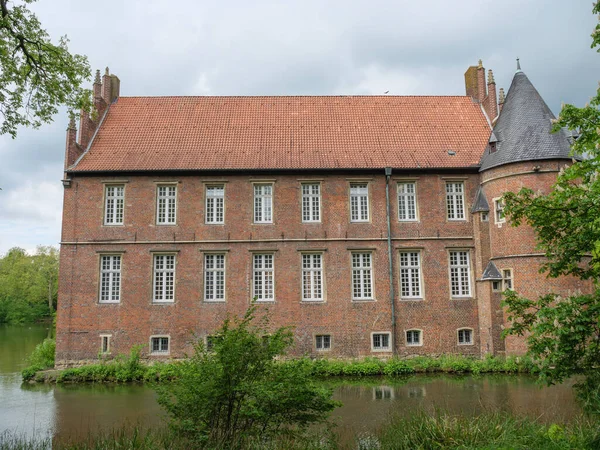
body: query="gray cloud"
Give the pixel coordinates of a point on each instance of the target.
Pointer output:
(292, 48)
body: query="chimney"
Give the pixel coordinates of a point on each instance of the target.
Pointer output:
(86, 128)
(491, 98)
(72, 150)
(106, 87)
(115, 88)
(475, 82)
(500, 100)
(99, 103)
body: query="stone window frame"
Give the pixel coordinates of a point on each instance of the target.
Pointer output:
(320, 253)
(156, 254)
(499, 217)
(455, 195)
(255, 185)
(412, 330)
(323, 348)
(388, 348)
(112, 185)
(159, 186)
(160, 352)
(101, 256)
(471, 335)
(470, 272)
(105, 341)
(270, 253)
(205, 255)
(508, 282)
(355, 183)
(361, 268)
(412, 195)
(215, 206)
(421, 295)
(311, 196)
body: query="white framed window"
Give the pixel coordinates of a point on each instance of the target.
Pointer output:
(311, 202)
(465, 336)
(381, 342)
(323, 342)
(105, 343)
(214, 277)
(263, 203)
(166, 204)
(362, 276)
(164, 279)
(507, 279)
(215, 204)
(114, 204)
(263, 277)
(159, 345)
(312, 277)
(460, 273)
(413, 338)
(359, 202)
(496, 285)
(410, 274)
(499, 210)
(407, 201)
(110, 278)
(485, 217)
(455, 200)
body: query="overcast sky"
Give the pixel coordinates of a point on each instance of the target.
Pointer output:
(288, 47)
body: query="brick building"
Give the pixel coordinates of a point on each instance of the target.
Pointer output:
(369, 223)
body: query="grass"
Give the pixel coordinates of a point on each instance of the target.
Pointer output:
(420, 431)
(131, 368)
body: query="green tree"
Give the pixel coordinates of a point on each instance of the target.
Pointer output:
(28, 285)
(36, 76)
(237, 393)
(563, 333)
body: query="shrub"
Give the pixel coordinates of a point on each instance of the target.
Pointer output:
(238, 392)
(41, 358)
(397, 367)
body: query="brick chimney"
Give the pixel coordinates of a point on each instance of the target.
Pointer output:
(477, 89)
(500, 100)
(72, 150)
(492, 105)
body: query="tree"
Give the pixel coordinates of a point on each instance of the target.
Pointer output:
(36, 76)
(237, 392)
(563, 333)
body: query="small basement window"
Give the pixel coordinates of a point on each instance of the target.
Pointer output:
(159, 345)
(381, 342)
(323, 342)
(465, 336)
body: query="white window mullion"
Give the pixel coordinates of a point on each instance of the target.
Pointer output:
(460, 274)
(166, 206)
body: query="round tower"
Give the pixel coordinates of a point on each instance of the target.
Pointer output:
(522, 152)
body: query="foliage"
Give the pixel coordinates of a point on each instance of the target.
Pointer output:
(488, 430)
(238, 392)
(28, 285)
(564, 332)
(41, 358)
(36, 76)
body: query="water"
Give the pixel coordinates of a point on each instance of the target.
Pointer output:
(69, 411)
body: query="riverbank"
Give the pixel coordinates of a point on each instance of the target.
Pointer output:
(132, 368)
(421, 430)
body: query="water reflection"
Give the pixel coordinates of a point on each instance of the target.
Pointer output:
(72, 411)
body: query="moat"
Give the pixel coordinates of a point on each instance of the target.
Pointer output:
(69, 411)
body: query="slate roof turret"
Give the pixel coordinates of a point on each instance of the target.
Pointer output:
(523, 129)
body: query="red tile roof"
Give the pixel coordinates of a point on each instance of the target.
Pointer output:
(354, 132)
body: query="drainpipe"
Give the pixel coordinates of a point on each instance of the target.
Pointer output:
(388, 174)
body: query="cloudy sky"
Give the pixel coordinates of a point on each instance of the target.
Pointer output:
(254, 47)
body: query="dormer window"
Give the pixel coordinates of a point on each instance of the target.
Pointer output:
(492, 147)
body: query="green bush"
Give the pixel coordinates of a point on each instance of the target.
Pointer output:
(41, 358)
(397, 367)
(238, 393)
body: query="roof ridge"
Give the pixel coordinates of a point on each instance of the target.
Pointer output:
(296, 96)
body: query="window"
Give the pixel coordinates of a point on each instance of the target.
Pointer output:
(105, 343)
(485, 217)
(214, 278)
(323, 341)
(380, 341)
(362, 276)
(496, 286)
(263, 203)
(455, 200)
(166, 205)
(211, 341)
(507, 279)
(114, 201)
(311, 202)
(110, 278)
(465, 336)
(263, 277)
(410, 275)
(359, 202)
(215, 204)
(159, 345)
(164, 278)
(312, 277)
(413, 338)
(407, 203)
(499, 209)
(460, 274)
